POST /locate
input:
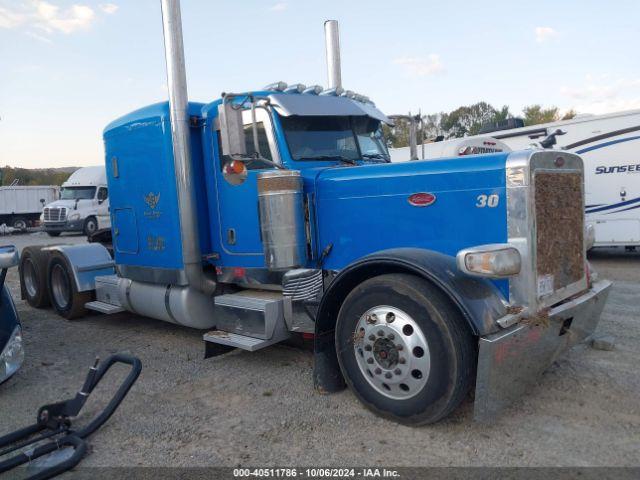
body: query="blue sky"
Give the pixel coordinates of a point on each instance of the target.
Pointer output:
(67, 68)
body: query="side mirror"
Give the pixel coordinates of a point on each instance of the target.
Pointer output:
(231, 130)
(8, 257)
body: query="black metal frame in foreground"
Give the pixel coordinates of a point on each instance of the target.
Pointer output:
(53, 426)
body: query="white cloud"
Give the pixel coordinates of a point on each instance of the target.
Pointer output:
(108, 8)
(545, 33)
(47, 17)
(39, 37)
(278, 7)
(11, 18)
(53, 18)
(603, 94)
(421, 67)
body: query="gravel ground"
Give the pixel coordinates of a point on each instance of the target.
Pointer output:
(260, 408)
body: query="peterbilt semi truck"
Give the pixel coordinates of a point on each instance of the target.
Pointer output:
(276, 213)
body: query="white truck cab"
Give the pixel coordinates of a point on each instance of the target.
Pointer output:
(84, 198)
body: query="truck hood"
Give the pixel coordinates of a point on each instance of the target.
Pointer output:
(70, 204)
(365, 209)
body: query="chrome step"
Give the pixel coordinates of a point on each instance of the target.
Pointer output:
(250, 319)
(103, 307)
(238, 341)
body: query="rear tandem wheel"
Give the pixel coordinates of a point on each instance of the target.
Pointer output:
(67, 301)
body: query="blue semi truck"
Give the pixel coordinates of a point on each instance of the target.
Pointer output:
(275, 213)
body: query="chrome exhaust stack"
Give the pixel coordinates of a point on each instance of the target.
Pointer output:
(178, 105)
(332, 45)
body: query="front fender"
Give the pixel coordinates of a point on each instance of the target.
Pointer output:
(479, 300)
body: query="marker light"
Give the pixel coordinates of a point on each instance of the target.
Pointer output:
(295, 88)
(276, 87)
(333, 91)
(314, 90)
(493, 261)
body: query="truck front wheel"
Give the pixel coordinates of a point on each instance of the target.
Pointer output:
(90, 226)
(65, 298)
(20, 223)
(405, 349)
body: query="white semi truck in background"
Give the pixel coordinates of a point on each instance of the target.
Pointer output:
(21, 206)
(83, 205)
(609, 146)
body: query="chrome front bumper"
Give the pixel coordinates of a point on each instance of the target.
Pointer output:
(511, 361)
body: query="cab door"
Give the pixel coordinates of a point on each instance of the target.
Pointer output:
(239, 226)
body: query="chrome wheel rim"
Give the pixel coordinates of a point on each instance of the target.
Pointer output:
(29, 276)
(60, 286)
(392, 352)
(91, 226)
(20, 225)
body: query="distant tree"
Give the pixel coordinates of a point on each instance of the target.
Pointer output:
(502, 114)
(569, 114)
(468, 120)
(25, 176)
(535, 114)
(431, 126)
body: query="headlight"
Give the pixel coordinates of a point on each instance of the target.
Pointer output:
(589, 236)
(12, 355)
(74, 216)
(494, 261)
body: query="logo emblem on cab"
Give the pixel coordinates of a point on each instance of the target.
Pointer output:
(422, 199)
(152, 200)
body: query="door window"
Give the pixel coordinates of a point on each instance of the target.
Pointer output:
(266, 141)
(103, 193)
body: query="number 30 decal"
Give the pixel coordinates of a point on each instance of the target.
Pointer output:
(490, 201)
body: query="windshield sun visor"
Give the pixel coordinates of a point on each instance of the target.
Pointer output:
(312, 105)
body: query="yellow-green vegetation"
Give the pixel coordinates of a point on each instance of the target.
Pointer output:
(39, 176)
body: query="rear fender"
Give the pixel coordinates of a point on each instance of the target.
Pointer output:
(479, 300)
(87, 262)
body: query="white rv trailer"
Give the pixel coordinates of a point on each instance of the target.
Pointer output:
(609, 146)
(450, 148)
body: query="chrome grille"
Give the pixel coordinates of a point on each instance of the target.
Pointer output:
(559, 219)
(54, 214)
(302, 284)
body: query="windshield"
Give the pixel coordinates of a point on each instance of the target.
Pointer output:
(331, 138)
(78, 193)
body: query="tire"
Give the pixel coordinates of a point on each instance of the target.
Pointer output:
(33, 277)
(54, 234)
(64, 295)
(413, 360)
(90, 226)
(20, 223)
